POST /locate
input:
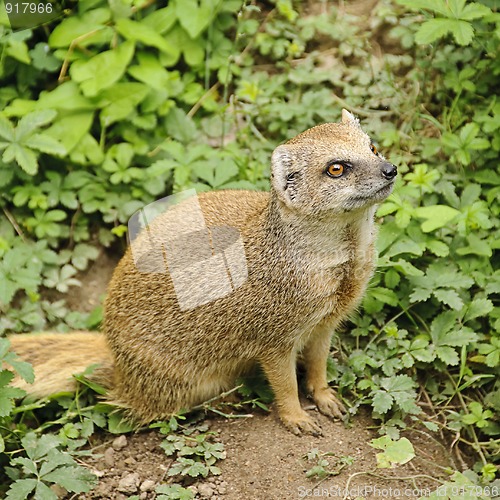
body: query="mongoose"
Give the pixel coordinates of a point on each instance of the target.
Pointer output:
(309, 253)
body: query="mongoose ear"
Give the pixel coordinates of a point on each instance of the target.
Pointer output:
(281, 162)
(349, 118)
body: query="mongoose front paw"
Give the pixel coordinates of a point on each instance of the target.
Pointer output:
(328, 404)
(301, 423)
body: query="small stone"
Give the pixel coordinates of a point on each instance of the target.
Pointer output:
(129, 483)
(211, 479)
(143, 495)
(148, 485)
(193, 488)
(98, 473)
(109, 457)
(205, 490)
(222, 489)
(224, 484)
(130, 461)
(120, 442)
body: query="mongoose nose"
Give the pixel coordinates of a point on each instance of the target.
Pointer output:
(389, 171)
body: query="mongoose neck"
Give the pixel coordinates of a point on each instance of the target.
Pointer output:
(326, 237)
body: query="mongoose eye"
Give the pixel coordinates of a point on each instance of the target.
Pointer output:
(335, 170)
(374, 149)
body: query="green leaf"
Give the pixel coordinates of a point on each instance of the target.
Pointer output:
(448, 355)
(477, 308)
(75, 27)
(21, 489)
(194, 16)
(442, 324)
(395, 452)
(150, 71)
(438, 248)
(180, 126)
(75, 479)
(55, 458)
(24, 157)
(82, 254)
(28, 465)
(432, 30)
(474, 10)
(382, 402)
(120, 100)
(43, 59)
(23, 369)
(384, 295)
(463, 32)
(43, 492)
(140, 32)
(4, 348)
(117, 424)
(492, 352)
(399, 383)
(173, 492)
(29, 123)
(66, 96)
(39, 447)
(102, 70)
(449, 297)
(8, 393)
(476, 246)
(46, 144)
(419, 349)
(420, 295)
(6, 129)
(69, 130)
(7, 290)
(18, 50)
(161, 20)
(407, 268)
(436, 216)
(459, 337)
(438, 6)
(404, 245)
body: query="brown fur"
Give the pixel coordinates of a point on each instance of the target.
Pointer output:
(309, 247)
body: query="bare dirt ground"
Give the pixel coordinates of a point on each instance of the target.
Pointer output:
(264, 461)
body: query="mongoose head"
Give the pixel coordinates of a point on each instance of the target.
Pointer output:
(331, 167)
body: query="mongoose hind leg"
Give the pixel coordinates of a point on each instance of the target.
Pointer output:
(281, 373)
(315, 355)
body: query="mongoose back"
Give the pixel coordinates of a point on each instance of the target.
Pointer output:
(309, 254)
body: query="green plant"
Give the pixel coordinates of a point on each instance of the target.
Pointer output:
(451, 18)
(173, 492)
(193, 447)
(466, 485)
(322, 467)
(394, 452)
(45, 464)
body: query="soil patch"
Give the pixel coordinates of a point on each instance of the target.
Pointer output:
(265, 461)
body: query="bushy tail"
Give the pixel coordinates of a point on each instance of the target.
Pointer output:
(57, 356)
